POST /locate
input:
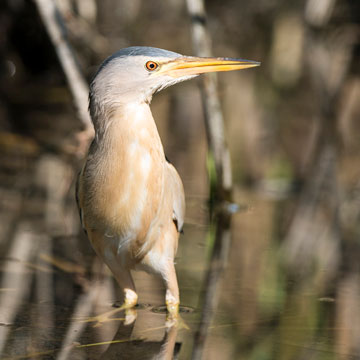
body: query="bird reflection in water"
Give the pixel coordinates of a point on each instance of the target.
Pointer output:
(165, 349)
(146, 336)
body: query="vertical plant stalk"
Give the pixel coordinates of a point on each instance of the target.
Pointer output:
(216, 267)
(214, 123)
(214, 120)
(56, 29)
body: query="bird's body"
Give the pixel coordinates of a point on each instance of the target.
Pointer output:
(131, 199)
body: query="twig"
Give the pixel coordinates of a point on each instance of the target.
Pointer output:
(216, 138)
(83, 309)
(55, 27)
(213, 116)
(23, 247)
(217, 265)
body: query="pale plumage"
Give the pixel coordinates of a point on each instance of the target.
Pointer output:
(131, 199)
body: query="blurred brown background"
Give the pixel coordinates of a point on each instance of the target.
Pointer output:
(291, 288)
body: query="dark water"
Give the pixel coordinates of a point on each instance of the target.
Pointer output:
(246, 297)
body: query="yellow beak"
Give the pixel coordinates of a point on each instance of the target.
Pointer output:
(189, 65)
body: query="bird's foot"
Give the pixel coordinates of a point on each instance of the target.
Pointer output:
(172, 303)
(130, 316)
(128, 305)
(172, 308)
(173, 318)
(103, 318)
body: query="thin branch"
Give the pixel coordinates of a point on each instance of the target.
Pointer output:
(216, 138)
(213, 114)
(79, 88)
(16, 279)
(219, 259)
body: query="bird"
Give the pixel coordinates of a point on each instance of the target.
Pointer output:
(130, 197)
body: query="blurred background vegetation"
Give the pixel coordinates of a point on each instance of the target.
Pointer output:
(291, 287)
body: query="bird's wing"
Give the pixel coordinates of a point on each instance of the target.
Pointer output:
(178, 196)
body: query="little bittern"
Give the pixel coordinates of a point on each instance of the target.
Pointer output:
(131, 199)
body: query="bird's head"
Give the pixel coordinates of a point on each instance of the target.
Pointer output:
(134, 74)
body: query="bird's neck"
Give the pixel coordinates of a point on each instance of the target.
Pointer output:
(125, 170)
(130, 125)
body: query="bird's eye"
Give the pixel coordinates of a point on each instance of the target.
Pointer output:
(151, 65)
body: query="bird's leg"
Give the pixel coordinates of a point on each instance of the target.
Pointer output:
(121, 273)
(173, 318)
(126, 283)
(124, 279)
(172, 291)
